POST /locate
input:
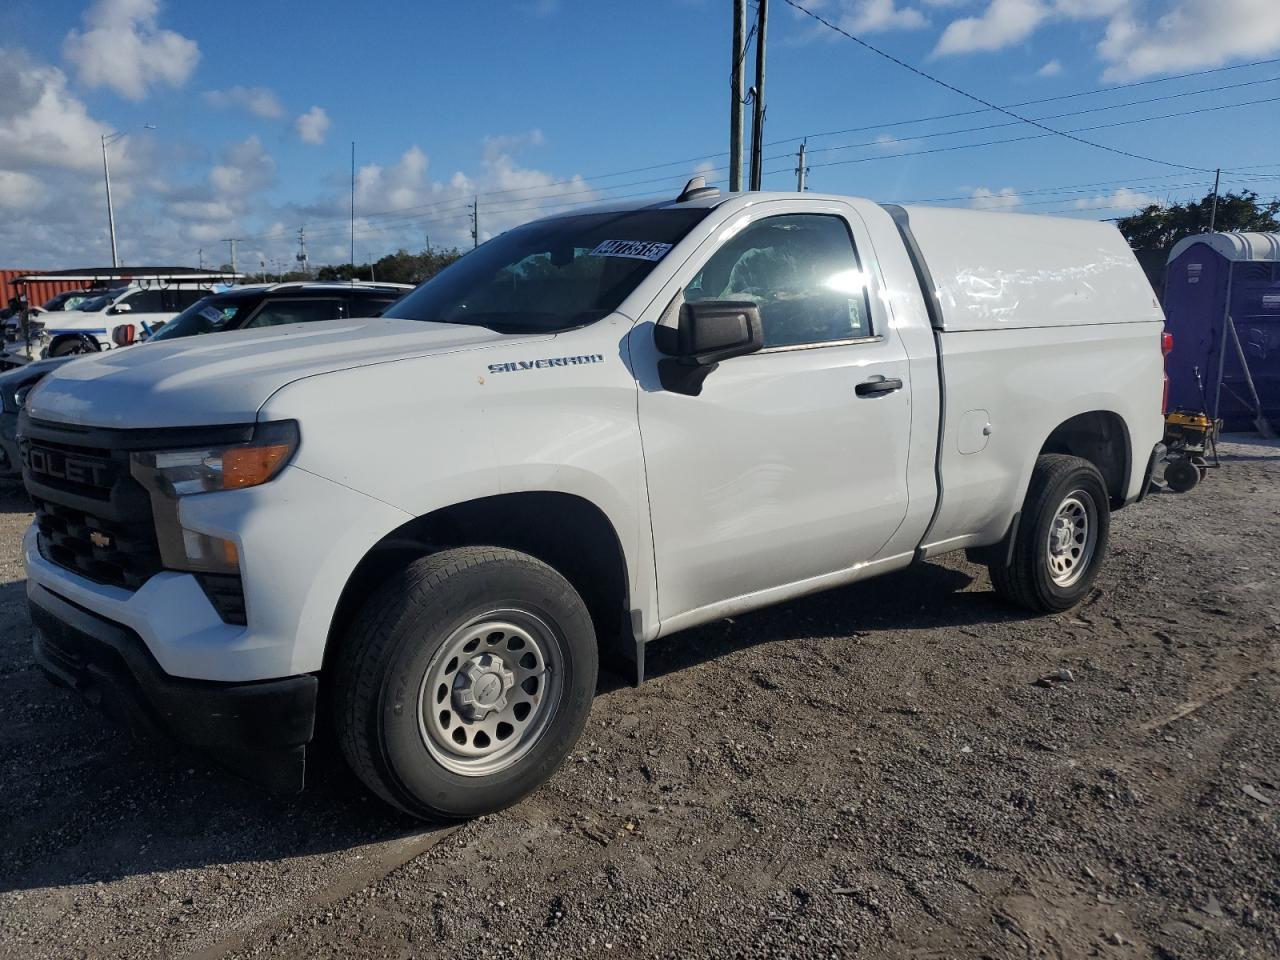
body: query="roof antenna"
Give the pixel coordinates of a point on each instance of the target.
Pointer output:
(696, 189)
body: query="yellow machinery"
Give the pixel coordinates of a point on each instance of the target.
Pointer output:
(1191, 438)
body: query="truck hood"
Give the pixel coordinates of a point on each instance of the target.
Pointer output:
(223, 378)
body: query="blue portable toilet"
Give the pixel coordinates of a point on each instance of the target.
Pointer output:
(1209, 278)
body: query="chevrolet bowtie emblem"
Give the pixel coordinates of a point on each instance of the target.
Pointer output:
(99, 539)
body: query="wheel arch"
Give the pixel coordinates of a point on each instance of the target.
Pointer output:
(1101, 437)
(566, 531)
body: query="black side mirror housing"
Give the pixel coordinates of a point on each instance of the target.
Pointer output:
(707, 333)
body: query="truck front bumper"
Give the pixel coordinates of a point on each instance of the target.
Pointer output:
(257, 729)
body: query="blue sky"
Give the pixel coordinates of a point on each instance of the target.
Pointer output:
(528, 103)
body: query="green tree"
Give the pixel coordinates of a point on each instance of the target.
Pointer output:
(1159, 228)
(1153, 230)
(398, 267)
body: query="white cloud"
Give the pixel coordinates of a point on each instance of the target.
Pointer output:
(1122, 199)
(41, 123)
(313, 125)
(19, 191)
(873, 16)
(1051, 69)
(1194, 33)
(246, 168)
(1006, 198)
(1004, 22)
(1189, 34)
(124, 48)
(260, 101)
(510, 194)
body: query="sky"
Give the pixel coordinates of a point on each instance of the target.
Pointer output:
(534, 106)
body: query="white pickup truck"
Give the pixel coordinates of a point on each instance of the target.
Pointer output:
(596, 430)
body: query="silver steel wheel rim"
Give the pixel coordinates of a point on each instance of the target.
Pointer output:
(1073, 535)
(490, 692)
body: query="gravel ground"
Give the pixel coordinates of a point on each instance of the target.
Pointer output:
(880, 770)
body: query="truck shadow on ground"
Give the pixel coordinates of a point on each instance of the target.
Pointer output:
(84, 803)
(13, 498)
(921, 597)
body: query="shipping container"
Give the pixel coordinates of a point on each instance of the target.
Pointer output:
(38, 292)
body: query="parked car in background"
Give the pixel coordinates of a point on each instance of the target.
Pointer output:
(67, 300)
(267, 305)
(90, 326)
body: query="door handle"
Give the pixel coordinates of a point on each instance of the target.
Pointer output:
(878, 386)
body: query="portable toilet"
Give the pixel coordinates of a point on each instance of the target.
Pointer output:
(1208, 279)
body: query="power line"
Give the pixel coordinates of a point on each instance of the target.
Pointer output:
(460, 203)
(1055, 116)
(986, 103)
(1024, 103)
(1037, 136)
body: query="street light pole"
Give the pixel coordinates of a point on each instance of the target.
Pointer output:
(111, 216)
(106, 175)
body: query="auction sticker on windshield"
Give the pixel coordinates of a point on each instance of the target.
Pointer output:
(632, 249)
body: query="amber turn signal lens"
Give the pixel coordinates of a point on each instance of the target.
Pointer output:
(250, 466)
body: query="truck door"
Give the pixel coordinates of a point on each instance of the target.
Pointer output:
(791, 464)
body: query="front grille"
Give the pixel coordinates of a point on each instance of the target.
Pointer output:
(122, 554)
(92, 516)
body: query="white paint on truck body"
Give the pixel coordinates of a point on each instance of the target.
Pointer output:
(777, 480)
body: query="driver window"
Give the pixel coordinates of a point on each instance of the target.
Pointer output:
(803, 273)
(146, 301)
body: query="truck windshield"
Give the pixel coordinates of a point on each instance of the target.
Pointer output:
(550, 275)
(101, 302)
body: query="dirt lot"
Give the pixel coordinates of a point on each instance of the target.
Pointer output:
(872, 771)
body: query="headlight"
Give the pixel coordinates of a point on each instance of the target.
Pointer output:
(169, 475)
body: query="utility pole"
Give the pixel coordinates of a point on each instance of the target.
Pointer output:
(107, 140)
(301, 256)
(801, 170)
(353, 211)
(233, 241)
(111, 215)
(200, 255)
(475, 222)
(737, 94)
(1213, 214)
(757, 121)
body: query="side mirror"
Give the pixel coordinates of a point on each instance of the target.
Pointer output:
(124, 335)
(707, 333)
(121, 308)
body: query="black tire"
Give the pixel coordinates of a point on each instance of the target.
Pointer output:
(70, 346)
(396, 639)
(1181, 475)
(1026, 580)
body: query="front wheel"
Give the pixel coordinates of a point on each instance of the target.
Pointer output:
(71, 346)
(464, 682)
(1061, 539)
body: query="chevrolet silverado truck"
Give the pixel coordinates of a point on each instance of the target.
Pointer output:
(598, 429)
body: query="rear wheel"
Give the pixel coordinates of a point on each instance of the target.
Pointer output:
(1061, 539)
(464, 682)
